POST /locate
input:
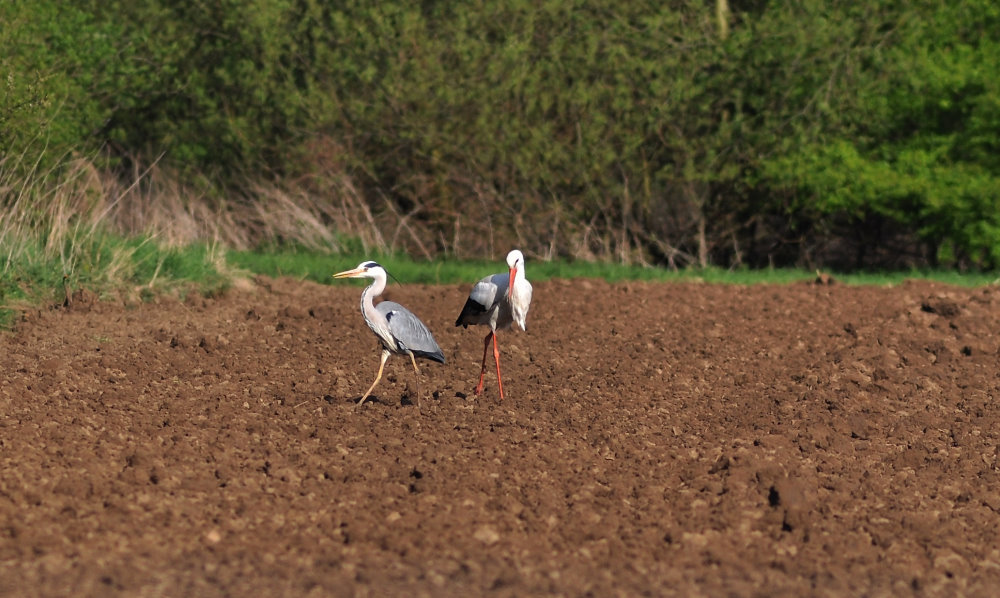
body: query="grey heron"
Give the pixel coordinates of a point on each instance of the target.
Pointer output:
(498, 301)
(397, 329)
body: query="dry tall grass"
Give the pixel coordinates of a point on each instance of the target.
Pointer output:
(158, 204)
(52, 212)
(56, 213)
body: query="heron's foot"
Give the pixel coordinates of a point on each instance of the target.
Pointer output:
(412, 400)
(411, 396)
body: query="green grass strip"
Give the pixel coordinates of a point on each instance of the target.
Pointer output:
(105, 263)
(318, 267)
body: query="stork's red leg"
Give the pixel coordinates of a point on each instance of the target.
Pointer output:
(482, 371)
(496, 358)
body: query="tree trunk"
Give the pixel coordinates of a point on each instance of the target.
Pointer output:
(702, 241)
(722, 16)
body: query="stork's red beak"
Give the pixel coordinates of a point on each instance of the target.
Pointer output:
(510, 281)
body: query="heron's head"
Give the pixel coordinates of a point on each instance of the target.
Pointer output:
(364, 270)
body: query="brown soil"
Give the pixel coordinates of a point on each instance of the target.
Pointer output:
(657, 439)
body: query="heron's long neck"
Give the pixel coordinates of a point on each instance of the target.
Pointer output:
(367, 304)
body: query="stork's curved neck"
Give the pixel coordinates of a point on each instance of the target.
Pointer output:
(514, 287)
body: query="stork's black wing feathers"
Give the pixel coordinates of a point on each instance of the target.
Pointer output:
(482, 299)
(472, 310)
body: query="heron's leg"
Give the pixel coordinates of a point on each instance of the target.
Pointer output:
(482, 371)
(496, 358)
(416, 377)
(385, 356)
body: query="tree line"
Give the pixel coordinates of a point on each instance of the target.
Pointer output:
(810, 133)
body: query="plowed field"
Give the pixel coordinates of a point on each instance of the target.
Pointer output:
(655, 439)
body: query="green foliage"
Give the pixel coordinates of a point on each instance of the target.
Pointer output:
(640, 130)
(56, 61)
(918, 145)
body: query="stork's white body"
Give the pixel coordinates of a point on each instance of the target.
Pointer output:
(497, 302)
(494, 307)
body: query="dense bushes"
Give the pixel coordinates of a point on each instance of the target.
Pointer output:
(814, 133)
(916, 146)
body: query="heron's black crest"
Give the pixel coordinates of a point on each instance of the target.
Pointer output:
(368, 265)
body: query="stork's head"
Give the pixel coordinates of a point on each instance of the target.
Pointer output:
(515, 259)
(364, 270)
(515, 262)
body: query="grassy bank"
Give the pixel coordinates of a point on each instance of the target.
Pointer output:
(137, 269)
(110, 266)
(72, 228)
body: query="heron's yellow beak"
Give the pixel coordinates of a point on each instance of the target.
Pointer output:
(350, 273)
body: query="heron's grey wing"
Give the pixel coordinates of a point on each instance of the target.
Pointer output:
(482, 299)
(410, 333)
